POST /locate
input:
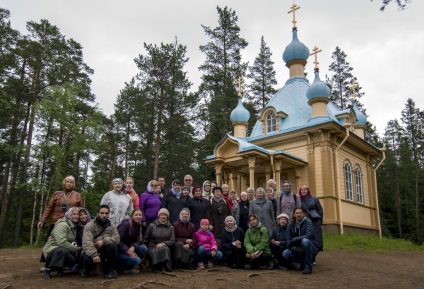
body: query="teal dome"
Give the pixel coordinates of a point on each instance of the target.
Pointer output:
(317, 89)
(240, 114)
(361, 118)
(295, 50)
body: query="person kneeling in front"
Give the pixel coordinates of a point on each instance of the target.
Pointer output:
(100, 244)
(300, 241)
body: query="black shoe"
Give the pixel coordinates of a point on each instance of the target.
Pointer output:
(85, 274)
(46, 273)
(111, 275)
(168, 266)
(307, 270)
(60, 272)
(271, 265)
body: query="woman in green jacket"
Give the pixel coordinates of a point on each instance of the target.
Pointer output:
(61, 247)
(256, 242)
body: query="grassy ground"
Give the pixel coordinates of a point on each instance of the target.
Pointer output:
(367, 243)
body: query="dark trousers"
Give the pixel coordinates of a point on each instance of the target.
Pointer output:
(235, 257)
(108, 255)
(256, 262)
(60, 258)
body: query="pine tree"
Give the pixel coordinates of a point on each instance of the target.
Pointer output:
(262, 74)
(340, 82)
(221, 70)
(413, 119)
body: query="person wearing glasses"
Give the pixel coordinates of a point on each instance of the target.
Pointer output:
(287, 200)
(188, 181)
(150, 204)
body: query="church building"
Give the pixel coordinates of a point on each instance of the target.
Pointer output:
(301, 136)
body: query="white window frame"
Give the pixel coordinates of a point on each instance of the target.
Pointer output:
(359, 192)
(348, 181)
(271, 122)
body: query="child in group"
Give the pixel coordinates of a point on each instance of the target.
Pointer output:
(207, 249)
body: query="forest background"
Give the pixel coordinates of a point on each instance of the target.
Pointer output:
(51, 125)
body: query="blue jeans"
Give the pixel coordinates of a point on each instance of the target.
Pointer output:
(309, 252)
(127, 263)
(203, 255)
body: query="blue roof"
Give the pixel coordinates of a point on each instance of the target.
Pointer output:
(295, 50)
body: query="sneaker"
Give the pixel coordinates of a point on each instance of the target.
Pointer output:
(201, 266)
(42, 269)
(307, 270)
(131, 271)
(210, 264)
(46, 274)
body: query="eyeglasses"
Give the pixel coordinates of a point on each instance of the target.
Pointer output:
(188, 180)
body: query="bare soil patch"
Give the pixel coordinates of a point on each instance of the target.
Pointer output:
(335, 269)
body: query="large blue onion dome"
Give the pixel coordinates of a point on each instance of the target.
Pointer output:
(295, 50)
(360, 116)
(318, 89)
(240, 114)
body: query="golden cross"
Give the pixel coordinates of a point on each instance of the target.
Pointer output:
(240, 81)
(293, 9)
(315, 52)
(354, 85)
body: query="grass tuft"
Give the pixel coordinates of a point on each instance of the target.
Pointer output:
(368, 243)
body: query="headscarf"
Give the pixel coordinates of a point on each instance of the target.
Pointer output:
(283, 191)
(118, 180)
(88, 217)
(307, 195)
(68, 214)
(177, 193)
(234, 221)
(149, 188)
(188, 220)
(205, 193)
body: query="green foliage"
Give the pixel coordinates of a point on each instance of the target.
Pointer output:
(263, 78)
(368, 243)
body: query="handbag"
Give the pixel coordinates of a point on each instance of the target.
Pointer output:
(314, 215)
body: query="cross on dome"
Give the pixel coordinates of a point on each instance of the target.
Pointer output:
(293, 9)
(315, 52)
(240, 81)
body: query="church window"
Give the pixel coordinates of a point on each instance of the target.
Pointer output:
(359, 195)
(348, 180)
(271, 123)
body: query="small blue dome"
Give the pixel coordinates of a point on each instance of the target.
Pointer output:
(318, 88)
(240, 114)
(295, 49)
(361, 118)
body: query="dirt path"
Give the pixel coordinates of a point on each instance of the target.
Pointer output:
(335, 269)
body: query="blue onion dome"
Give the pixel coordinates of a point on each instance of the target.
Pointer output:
(295, 50)
(360, 116)
(318, 89)
(240, 114)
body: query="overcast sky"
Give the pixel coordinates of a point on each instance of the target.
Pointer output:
(384, 48)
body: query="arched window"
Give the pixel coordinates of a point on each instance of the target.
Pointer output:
(359, 195)
(348, 180)
(271, 123)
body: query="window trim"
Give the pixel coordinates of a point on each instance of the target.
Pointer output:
(359, 186)
(347, 169)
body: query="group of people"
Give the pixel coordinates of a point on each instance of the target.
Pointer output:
(184, 227)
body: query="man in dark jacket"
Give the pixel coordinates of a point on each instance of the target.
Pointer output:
(100, 244)
(300, 240)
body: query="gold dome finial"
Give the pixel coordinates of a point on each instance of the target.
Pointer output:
(315, 52)
(240, 91)
(293, 9)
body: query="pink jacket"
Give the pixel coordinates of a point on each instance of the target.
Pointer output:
(206, 239)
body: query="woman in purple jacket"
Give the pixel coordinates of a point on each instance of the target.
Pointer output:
(150, 204)
(130, 251)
